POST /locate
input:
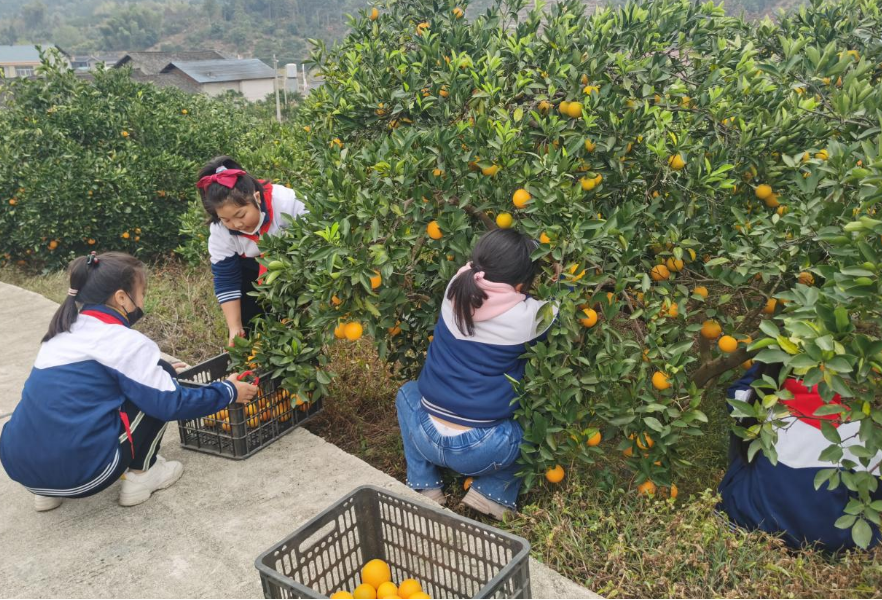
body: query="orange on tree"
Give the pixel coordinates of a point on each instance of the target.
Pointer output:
(674, 265)
(590, 318)
(574, 110)
(711, 330)
(587, 183)
(660, 273)
(769, 308)
(434, 230)
(340, 331)
(490, 171)
(520, 198)
(594, 440)
(660, 381)
(555, 474)
(376, 280)
(806, 278)
(763, 191)
(700, 290)
(590, 146)
(728, 344)
(504, 220)
(676, 162)
(458, 13)
(647, 488)
(374, 14)
(544, 239)
(352, 331)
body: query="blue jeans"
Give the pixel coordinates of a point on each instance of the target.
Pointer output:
(487, 454)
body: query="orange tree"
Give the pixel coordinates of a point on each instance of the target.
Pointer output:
(703, 188)
(101, 164)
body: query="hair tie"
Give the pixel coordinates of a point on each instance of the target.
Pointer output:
(226, 178)
(479, 275)
(220, 169)
(92, 259)
(72, 292)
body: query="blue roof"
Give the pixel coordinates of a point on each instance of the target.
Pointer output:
(19, 54)
(208, 71)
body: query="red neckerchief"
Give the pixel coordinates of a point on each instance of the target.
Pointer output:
(805, 402)
(268, 201)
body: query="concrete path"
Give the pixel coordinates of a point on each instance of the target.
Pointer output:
(197, 539)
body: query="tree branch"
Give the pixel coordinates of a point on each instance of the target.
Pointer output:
(710, 371)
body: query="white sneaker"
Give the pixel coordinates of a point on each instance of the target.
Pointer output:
(46, 503)
(486, 506)
(138, 487)
(435, 495)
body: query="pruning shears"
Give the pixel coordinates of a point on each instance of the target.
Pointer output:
(251, 377)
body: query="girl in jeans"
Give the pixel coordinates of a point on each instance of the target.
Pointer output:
(458, 415)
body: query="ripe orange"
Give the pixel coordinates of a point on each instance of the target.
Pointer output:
(772, 201)
(335, 301)
(437, 172)
(555, 475)
(341, 595)
(769, 308)
(365, 592)
(387, 590)
(375, 573)
(782, 210)
(590, 146)
(434, 230)
(588, 183)
(467, 483)
(674, 490)
(659, 273)
(728, 344)
(53, 244)
(458, 13)
(660, 381)
(675, 265)
(647, 488)
(520, 198)
(673, 311)
(353, 331)
(544, 107)
(490, 171)
(376, 280)
(644, 436)
(125, 235)
(746, 364)
(711, 330)
(806, 278)
(676, 162)
(574, 110)
(374, 14)
(564, 108)
(700, 291)
(443, 93)
(13, 201)
(763, 191)
(420, 596)
(590, 319)
(409, 587)
(544, 239)
(504, 220)
(594, 440)
(340, 331)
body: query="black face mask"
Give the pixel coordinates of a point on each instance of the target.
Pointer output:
(134, 316)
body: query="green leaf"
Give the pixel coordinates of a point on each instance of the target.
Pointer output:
(769, 328)
(830, 432)
(861, 533)
(772, 356)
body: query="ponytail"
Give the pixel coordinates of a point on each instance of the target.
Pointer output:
(215, 195)
(466, 297)
(94, 279)
(501, 256)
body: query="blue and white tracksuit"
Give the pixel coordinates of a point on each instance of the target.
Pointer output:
(85, 408)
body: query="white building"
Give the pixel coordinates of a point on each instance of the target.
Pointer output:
(253, 78)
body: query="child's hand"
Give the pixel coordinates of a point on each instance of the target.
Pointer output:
(234, 333)
(180, 367)
(245, 391)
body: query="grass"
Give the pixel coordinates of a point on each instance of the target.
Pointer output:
(592, 528)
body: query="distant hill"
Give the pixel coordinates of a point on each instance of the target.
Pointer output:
(248, 28)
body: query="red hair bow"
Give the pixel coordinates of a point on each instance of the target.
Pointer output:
(226, 178)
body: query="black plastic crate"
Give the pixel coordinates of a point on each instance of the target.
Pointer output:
(240, 430)
(451, 556)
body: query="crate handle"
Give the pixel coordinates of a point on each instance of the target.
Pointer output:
(317, 537)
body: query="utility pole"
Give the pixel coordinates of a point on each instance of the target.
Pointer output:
(276, 85)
